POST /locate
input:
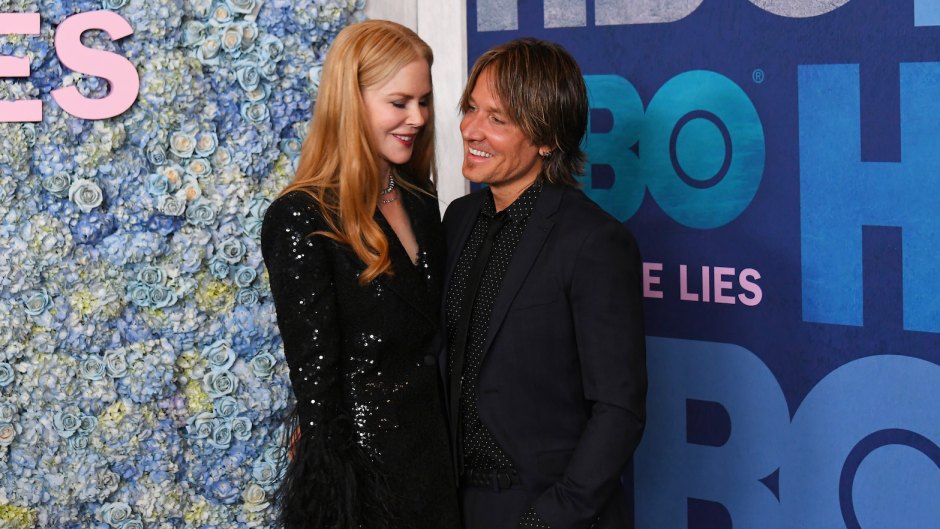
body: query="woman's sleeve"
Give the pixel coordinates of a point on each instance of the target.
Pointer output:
(330, 482)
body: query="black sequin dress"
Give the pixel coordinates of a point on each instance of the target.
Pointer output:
(373, 451)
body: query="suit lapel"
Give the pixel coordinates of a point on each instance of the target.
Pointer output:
(456, 243)
(537, 229)
(408, 282)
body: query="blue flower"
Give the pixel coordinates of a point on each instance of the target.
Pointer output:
(254, 111)
(172, 205)
(251, 226)
(92, 368)
(88, 423)
(113, 4)
(221, 15)
(182, 144)
(151, 275)
(156, 153)
(58, 184)
(66, 423)
(7, 433)
(218, 268)
(139, 293)
(200, 213)
(242, 6)
(114, 514)
(219, 383)
(36, 302)
(241, 428)
(247, 296)
(199, 426)
(248, 75)
(133, 523)
(116, 363)
(77, 442)
(6, 374)
(219, 355)
(85, 194)
(244, 275)
(225, 407)
(232, 39)
(265, 472)
(221, 434)
(262, 365)
(162, 297)
(206, 144)
(225, 491)
(7, 412)
(231, 250)
(158, 185)
(271, 48)
(194, 32)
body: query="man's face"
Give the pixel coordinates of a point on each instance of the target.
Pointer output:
(496, 151)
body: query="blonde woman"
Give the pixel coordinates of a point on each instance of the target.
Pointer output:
(354, 252)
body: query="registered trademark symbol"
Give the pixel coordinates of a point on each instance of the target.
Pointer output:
(757, 76)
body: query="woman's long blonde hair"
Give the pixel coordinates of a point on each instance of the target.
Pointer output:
(338, 163)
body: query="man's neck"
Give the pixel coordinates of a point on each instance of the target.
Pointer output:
(504, 196)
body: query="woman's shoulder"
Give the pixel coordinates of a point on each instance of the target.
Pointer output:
(294, 208)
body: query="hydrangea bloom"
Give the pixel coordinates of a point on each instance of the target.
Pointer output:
(142, 379)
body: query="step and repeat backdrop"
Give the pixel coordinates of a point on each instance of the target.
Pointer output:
(142, 382)
(778, 162)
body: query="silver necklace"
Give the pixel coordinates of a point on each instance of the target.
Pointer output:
(389, 189)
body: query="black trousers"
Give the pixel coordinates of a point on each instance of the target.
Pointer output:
(485, 508)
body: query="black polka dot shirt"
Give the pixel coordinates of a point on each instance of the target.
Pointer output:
(479, 449)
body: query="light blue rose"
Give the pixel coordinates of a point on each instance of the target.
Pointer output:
(78, 442)
(225, 491)
(85, 194)
(113, 4)
(191, 259)
(221, 15)
(199, 426)
(7, 433)
(271, 48)
(88, 424)
(225, 407)
(116, 363)
(36, 302)
(66, 423)
(92, 368)
(290, 147)
(255, 111)
(194, 32)
(268, 70)
(221, 434)
(258, 206)
(247, 296)
(222, 157)
(159, 185)
(151, 275)
(182, 144)
(242, 6)
(262, 365)
(249, 76)
(220, 383)
(156, 154)
(29, 134)
(199, 167)
(251, 226)
(218, 268)
(265, 472)
(206, 144)
(241, 428)
(7, 412)
(232, 39)
(114, 514)
(172, 205)
(231, 250)
(244, 275)
(133, 523)
(219, 355)
(208, 50)
(313, 77)
(162, 297)
(200, 213)
(6, 374)
(259, 94)
(58, 184)
(201, 8)
(249, 34)
(138, 293)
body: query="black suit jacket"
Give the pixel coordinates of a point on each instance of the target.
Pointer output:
(563, 382)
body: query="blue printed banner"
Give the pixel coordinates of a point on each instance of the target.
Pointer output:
(778, 163)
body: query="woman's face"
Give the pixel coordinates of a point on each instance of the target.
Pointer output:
(397, 111)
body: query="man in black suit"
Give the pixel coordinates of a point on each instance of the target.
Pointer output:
(546, 363)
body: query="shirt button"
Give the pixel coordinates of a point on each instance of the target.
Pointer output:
(429, 360)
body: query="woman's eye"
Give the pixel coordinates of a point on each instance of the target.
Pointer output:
(398, 104)
(424, 102)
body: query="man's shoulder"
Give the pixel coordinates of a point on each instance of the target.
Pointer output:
(462, 207)
(583, 212)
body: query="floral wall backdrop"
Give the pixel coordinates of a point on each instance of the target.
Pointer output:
(142, 380)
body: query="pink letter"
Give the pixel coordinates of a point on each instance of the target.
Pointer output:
(28, 109)
(746, 275)
(649, 280)
(721, 285)
(118, 71)
(684, 294)
(706, 285)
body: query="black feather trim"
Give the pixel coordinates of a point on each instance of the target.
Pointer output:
(332, 482)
